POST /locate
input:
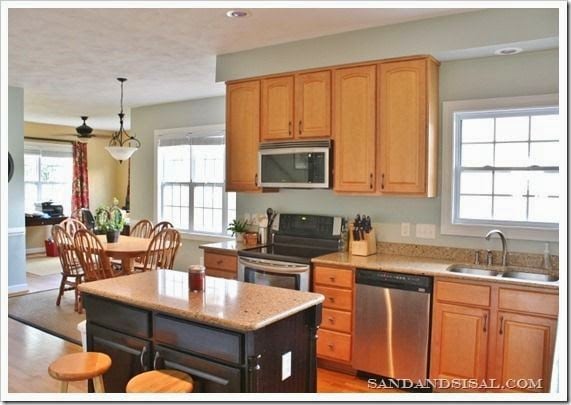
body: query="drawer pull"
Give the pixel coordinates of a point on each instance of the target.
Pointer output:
(331, 319)
(331, 299)
(485, 322)
(502, 325)
(332, 278)
(220, 262)
(142, 358)
(331, 346)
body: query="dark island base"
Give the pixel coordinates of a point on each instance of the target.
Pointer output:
(218, 360)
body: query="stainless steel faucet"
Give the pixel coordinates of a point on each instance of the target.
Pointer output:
(504, 244)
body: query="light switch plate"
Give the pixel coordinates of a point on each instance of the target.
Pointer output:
(286, 365)
(426, 231)
(405, 229)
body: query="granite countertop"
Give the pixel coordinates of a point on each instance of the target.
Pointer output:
(423, 266)
(229, 246)
(224, 303)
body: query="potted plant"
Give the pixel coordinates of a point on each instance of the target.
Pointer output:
(110, 221)
(238, 228)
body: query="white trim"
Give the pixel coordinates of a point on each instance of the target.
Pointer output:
(204, 237)
(32, 251)
(17, 231)
(448, 110)
(17, 288)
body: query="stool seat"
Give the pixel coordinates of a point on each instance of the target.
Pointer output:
(79, 366)
(160, 381)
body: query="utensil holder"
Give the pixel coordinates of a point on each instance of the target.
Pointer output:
(366, 247)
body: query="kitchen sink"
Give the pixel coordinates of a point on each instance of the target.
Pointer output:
(530, 276)
(472, 270)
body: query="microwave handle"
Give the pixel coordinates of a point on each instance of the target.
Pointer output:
(277, 268)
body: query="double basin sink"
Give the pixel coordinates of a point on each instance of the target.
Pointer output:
(509, 273)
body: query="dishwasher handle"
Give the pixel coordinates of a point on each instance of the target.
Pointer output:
(400, 281)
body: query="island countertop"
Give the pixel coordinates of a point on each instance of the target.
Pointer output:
(224, 303)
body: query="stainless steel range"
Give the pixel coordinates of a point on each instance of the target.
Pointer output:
(295, 240)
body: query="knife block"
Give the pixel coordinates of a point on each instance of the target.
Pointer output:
(366, 247)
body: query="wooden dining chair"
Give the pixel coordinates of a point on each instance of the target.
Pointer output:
(161, 252)
(72, 272)
(72, 225)
(159, 227)
(142, 229)
(92, 256)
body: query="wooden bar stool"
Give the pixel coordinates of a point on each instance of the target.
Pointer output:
(80, 366)
(160, 381)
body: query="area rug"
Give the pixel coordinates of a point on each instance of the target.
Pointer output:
(39, 310)
(43, 265)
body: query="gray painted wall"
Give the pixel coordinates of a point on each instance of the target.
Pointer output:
(16, 220)
(473, 33)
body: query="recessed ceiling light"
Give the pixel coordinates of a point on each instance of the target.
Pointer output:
(237, 13)
(508, 51)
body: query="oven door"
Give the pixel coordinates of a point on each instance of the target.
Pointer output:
(294, 276)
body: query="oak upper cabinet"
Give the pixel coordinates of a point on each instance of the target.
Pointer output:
(313, 105)
(408, 127)
(354, 111)
(242, 135)
(277, 108)
(459, 342)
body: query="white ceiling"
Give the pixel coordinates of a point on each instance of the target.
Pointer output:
(67, 60)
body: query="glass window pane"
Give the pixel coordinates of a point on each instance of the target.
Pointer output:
(184, 224)
(30, 196)
(512, 129)
(478, 130)
(198, 218)
(167, 213)
(199, 196)
(31, 163)
(208, 196)
(476, 183)
(231, 217)
(544, 210)
(54, 169)
(544, 184)
(176, 195)
(545, 153)
(217, 220)
(167, 195)
(184, 190)
(510, 208)
(231, 201)
(477, 155)
(510, 183)
(208, 227)
(217, 197)
(512, 154)
(175, 219)
(475, 207)
(175, 163)
(545, 127)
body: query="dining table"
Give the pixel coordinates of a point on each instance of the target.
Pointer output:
(126, 249)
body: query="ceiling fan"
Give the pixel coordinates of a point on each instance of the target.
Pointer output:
(84, 131)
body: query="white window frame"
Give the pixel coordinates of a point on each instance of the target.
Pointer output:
(449, 153)
(175, 132)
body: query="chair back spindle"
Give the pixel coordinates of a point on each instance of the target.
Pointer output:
(95, 262)
(162, 250)
(142, 229)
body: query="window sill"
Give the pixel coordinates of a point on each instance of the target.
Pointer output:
(511, 232)
(204, 237)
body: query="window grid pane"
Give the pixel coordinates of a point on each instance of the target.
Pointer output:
(508, 168)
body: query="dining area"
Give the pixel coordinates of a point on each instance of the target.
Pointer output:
(85, 254)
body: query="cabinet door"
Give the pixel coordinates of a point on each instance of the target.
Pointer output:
(354, 101)
(313, 105)
(277, 108)
(403, 127)
(459, 342)
(242, 135)
(130, 355)
(524, 350)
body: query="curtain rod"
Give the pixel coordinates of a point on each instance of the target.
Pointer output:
(31, 138)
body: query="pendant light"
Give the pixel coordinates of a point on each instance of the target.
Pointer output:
(122, 145)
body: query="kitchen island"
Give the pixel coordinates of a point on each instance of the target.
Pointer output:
(232, 337)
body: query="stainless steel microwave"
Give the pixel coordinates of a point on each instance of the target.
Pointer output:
(299, 164)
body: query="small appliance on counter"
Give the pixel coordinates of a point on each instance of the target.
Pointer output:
(362, 239)
(49, 208)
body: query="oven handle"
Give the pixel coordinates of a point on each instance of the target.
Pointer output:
(267, 265)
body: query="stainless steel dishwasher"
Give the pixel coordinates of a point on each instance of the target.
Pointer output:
(392, 324)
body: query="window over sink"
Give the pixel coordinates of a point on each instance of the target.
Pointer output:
(191, 180)
(501, 167)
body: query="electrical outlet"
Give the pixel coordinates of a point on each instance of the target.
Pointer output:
(286, 365)
(405, 229)
(426, 231)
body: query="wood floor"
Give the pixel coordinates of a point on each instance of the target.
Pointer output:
(31, 351)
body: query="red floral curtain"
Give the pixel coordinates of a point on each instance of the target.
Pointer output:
(80, 185)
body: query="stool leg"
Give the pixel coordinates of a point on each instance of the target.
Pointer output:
(98, 384)
(63, 386)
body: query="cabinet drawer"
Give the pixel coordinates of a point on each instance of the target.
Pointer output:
(463, 293)
(334, 345)
(199, 339)
(218, 261)
(335, 298)
(336, 320)
(528, 301)
(333, 276)
(221, 273)
(119, 317)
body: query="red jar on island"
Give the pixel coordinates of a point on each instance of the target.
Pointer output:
(196, 276)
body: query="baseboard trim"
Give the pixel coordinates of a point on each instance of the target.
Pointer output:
(17, 289)
(32, 251)
(333, 365)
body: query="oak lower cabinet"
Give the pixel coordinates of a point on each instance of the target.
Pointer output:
(335, 333)
(220, 265)
(242, 135)
(494, 333)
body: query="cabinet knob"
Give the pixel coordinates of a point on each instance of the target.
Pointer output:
(331, 346)
(331, 319)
